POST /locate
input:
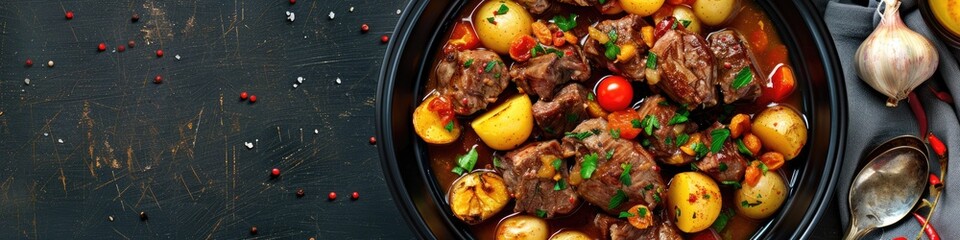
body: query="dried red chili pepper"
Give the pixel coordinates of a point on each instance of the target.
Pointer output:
(918, 112)
(927, 227)
(942, 95)
(937, 145)
(935, 181)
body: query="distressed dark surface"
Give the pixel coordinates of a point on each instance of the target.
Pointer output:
(175, 150)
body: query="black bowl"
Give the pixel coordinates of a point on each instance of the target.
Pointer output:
(421, 200)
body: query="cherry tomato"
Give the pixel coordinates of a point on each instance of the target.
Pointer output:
(781, 85)
(623, 122)
(442, 107)
(462, 38)
(614, 93)
(520, 48)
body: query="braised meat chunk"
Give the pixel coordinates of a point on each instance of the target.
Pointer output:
(471, 79)
(724, 165)
(627, 37)
(562, 114)
(553, 67)
(535, 6)
(674, 130)
(736, 76)
(617, 229)
(536, 175)
(686, 68)
(611, 173)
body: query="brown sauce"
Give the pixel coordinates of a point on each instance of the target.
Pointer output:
(750, 20)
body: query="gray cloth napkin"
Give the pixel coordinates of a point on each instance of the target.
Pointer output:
(871, 122)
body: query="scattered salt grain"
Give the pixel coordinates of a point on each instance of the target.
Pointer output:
(60, 140)
(177, 56)
(315, 131)
(398, 11)
(300, 79)
(291, 16)
(351, 9)
(296, 85)
(332, 15)
(26, 81)
(46, 134)
(338, 81)
(50, 63)
(248, 144)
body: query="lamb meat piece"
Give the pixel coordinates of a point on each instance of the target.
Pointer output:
(591, 142)
(686, 68)
(536, 6)
(536, 175)
(628, 33)
(471, 86)
(733, 56)
(582, 3)
(617, 229)
(541, 75)
(663, 142)
(564, 112)
(724, 165)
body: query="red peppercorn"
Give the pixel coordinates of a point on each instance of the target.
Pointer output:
(159, 53)
(373, 140)
(135, 17)
(384, 39)
(300, 193)
(293, 1)
(253, 230)
(121, 48)
(158, 79)
(143, 216)
(364, 27)
(69, 15)
(29, 62)
(332, 196)
(355, 195)
(132, 44)
(243, 95)
(275, 172)
(253, 98)
(102, 47)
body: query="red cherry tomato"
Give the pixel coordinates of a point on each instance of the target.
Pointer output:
(781, 85)
(462, 38)
(614, 93)
(520, 48)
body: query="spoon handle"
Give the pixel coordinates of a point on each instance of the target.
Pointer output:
(854, 233)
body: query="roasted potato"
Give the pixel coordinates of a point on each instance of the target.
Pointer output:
(694, 201)
(476, 196)
(715, 12)
(570, 235)
(682, 13)
(496, 28)
(641, 7)
(780, 129)
(522, 227)
(764, 199)
(430, 126)
(506, 126)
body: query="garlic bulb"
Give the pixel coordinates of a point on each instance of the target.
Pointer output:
(894, 59)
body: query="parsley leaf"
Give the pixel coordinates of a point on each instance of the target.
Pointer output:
(466, 162)
(682, 139)
(642, 212)
(612, 51)
(625, 215)
(700, 149)
(743, 78)
(609, 154)
(603, 1)
(652, 61)
(541, 213)
(748, 204)
(613, 35)
(625, 175)
(580, 135)
(735, 184)
(561, 185)
(449, 126)
(722, 167)
(591, 97)
(615, 133)
(722, 220)
(678, 119)
(537, 49)
(497, 163)
(503, 9)
(617, 199)
(743, 148)
(492, 20)
(468, 63)
(648, 187)
(649, 123)
(555, 51)
(764, 169)
(685, 22)
(565, 24)
(556, 163)
(490, 66)
(589, 165)
(717, 137)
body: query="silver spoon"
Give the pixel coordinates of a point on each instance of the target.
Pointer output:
(888, 187)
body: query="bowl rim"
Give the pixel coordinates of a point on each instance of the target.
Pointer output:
(813, 23)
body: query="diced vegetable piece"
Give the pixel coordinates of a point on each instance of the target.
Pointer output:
(497, 30)
(522, 227)
(781, 129)
(622, 121)
(506, 126)
(431, 126)
(462, 38)
(520, 48)
(478, 196)
(763, 199)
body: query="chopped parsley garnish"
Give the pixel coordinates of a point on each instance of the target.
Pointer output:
(656, 197)
(503, 9)
(538, 49)
(625, 175)
(556, 163)
(497, 163)
(749, 204)
(572, 117)
(564, 23)
(492, 20)
(700, 149)
(490, 66)
(468, 63)
(648, 187)
(561, 185)
(664, 103)
(722, 167)
(764, 169)
(612, 49)
(642, 212)
(466, 162)
(591, 97)
(743, 78)
(735, 184)
(449, 126)
(615, 133)
(652, 61)
(580, 135)
(693, 166)
(589, 165)
(678, 119)
(603, 1)
(648, 123)
(555, 51)
(541, 213)
(496, 75)
(743, 148)
(625, 215)
(722, 220)
(668, 141)
(609, 154)
(617, 199)
(645, 142)
(717, 137)
(686, 23)
(682, 139)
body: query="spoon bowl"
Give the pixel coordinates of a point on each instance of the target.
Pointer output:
(888, 186)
